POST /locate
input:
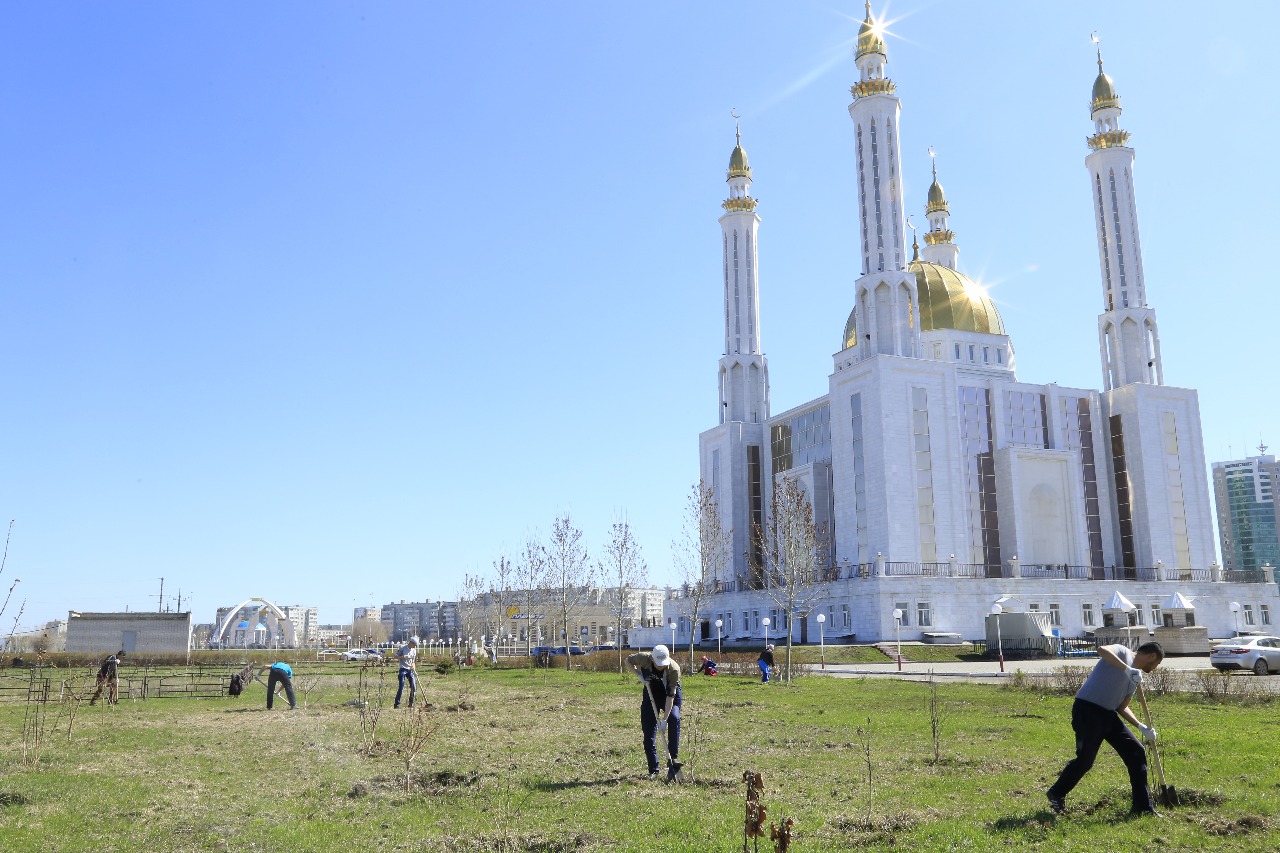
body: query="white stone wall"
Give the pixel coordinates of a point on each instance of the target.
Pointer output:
(136, 633)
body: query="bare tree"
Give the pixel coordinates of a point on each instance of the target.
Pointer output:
(624, 568)
(796, 551)
(367, 631)
(471, 608)
(570, 574)
(501, 597)
(701, 553)
(531, 578)
(3, 607)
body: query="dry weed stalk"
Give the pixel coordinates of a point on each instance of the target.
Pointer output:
(865, 737)
(753, 824)
(936, 715)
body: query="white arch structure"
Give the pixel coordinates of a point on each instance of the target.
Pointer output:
(275, 614)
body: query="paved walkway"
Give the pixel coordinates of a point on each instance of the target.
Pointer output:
(982, 671)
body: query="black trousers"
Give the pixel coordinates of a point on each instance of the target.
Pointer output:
(1094, 724)
(277, 676)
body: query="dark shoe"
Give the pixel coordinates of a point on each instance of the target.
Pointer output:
(1058, 804)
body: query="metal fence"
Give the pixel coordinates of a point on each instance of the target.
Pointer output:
(47, 684)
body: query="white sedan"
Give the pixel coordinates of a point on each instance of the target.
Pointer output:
(1260, 654)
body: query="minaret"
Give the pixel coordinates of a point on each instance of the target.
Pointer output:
(744, 373)
(886, 301)
(939, 248)
(1128, 337)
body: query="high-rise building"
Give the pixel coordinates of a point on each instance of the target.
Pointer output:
(1248, 507)
(942, 480)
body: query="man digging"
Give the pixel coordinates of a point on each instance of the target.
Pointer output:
(660, 676)
(1101, 703)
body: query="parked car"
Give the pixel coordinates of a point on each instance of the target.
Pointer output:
(329, 653)
(360, 655)
(1260, 654)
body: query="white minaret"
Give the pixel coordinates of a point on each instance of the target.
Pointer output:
(886, 305)
(1128, 337)
(744, 372)
(939, 246)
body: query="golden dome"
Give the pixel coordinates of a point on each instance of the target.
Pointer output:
(1104, 90)
(951, 300)
(869, 40)
(738, 167)
(937, 201)
(948, 300)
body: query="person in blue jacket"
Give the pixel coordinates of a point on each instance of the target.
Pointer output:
(281, 675)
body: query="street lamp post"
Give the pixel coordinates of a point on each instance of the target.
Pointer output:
(897, 624)
(765, 623)
(1235, 610)
(996, 610)
(719, 625)
(671, 623)
(822, 646)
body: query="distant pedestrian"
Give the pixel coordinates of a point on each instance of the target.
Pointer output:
(109, 679)
(765, 662)
(1101, 703)
(281, 675)
(408, 656)
(707, 667)
(660, 707)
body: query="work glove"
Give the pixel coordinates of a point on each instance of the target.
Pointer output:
(1135, 677)
(640, 678)
(662, 725)
(1148, 733)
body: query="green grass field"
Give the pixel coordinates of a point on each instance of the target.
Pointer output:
(545, 760)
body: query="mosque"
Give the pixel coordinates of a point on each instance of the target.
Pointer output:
(944, 482)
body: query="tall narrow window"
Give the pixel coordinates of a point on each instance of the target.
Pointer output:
(859, 479)
(755, 502)
(1124, 505)
(928, 535)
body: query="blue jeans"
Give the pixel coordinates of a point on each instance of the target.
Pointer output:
(764, 670)
(412, 677)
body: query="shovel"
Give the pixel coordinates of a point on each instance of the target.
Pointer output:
(1166, 795)
(675, 771)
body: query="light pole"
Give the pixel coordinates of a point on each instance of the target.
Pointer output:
(719, 625)
(822, 646)
(1235, 609)
(897, 624)
(765, 623)
(996, 610)
(671, 623)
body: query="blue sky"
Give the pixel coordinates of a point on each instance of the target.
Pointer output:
(332, 303)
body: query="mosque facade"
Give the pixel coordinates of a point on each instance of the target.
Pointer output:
(942, 481)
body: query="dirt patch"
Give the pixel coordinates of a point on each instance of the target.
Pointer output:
(521, 844)
(1248, 823)
(9, 798)
(1192, 797)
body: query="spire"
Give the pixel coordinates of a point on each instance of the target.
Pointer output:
(1128, 335)
(869, 38)
(938, 239)
(744, 373)
(739, 178)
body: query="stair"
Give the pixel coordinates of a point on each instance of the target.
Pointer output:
(889, 650)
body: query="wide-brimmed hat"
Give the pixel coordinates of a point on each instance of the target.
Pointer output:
(661, 655)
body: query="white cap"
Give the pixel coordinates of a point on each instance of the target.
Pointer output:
(413, 640)
(661, 656)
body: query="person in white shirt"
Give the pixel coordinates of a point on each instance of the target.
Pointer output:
(408, 656)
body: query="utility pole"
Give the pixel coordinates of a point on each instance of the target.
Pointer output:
(160, 598)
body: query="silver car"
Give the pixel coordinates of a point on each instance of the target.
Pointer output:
(1260, 654)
